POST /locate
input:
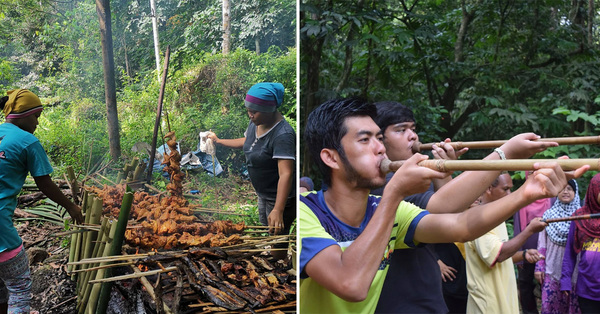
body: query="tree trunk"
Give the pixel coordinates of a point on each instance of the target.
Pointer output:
(108, 61)
(155, 35)
(347, 60)
(226, 28)
(126, 58)
(257, 45)
(590, 26)
(312, 52)
(348, 53)
(467, 17)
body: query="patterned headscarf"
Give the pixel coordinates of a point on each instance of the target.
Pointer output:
(588, 229)
(21, 103)
(559, 231)
(265, 97)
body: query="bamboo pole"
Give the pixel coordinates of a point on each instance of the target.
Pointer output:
(578, 140)
(79, 237)
(104, 238)
(94, 218)
(216, 211)
(571, 218)
(163, 82)
(107, 258)
(90, 303)
(94, 268)
(443, 165)
(75, 238)
(116, 248)
(132, 276)
(139, 171)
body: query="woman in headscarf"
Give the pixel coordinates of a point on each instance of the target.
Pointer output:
(269, 144)
(583, 249)
(21, 153)
(551, 244)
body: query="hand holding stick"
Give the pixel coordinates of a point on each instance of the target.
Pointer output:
(492, 165)
(578, 140)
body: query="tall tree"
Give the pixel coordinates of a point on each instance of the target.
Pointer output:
(110, 93)
(226, 27)
(155, 36)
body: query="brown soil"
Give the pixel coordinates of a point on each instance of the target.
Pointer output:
(52, 290)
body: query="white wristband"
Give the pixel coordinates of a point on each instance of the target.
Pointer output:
(500, 153)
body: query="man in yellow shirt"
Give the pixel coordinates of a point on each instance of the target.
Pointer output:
(491, 278)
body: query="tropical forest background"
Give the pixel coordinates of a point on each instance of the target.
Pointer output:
(469, 69)
(57, 48)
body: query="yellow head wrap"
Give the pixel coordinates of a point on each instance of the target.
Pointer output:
(21, 103)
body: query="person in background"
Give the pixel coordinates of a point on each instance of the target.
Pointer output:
(451, 258)
(306, 184)
(525, 280)
(21, 153)
(490, 270)
(346, 235)
(269, 144)
(551, 244)
(583, 245)
(447, 195)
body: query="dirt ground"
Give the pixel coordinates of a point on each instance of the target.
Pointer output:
(53, 290)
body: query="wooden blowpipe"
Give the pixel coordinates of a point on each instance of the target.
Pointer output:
(577, 140)
(444, 165)
(588, 216)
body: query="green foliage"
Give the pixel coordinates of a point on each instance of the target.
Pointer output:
(73, 130)
(8, 74)
(74, 134)
(48, 211)
(509, 71)
(211, 96)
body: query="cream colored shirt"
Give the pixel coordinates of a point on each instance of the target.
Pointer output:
(492, 286)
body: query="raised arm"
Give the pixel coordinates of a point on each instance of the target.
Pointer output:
(547, 181)
(472, 183)
(349, 273)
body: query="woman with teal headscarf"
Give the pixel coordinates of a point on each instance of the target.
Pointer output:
(269, 144)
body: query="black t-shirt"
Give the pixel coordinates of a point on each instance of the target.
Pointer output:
(262, 154)
(451, 256)
(413, 283)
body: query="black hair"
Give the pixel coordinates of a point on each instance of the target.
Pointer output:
(497, 180)
(572, 184)
(325, 127)
(3, 101)
(392, 112)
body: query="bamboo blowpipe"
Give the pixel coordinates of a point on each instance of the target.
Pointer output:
(577, 140)
(443, 165)
(589, 216)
